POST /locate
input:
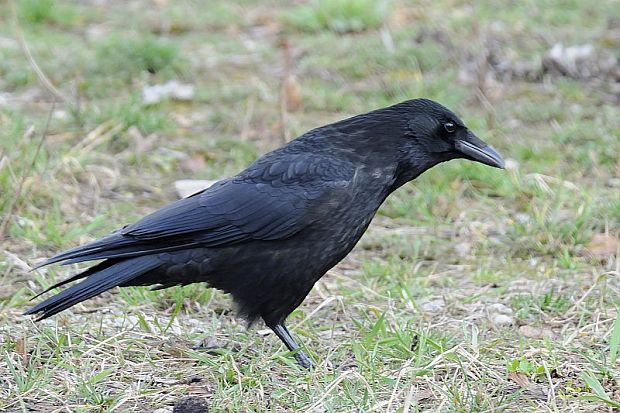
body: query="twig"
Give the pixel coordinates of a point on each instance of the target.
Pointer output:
(47, 83)
(247, 119)
(20, 186)
(551, 400)
(481, 92)
(586, 294)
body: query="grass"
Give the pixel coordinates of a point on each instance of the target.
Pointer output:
(340, 16)
(411, 320)
(127, 56)
(38, 12)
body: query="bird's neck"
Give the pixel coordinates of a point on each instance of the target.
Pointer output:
(409, 170)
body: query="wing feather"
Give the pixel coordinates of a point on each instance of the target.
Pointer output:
(268, 201)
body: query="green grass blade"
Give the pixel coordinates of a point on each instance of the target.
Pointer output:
(614, 340)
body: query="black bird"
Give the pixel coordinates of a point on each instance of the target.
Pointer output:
(269, 233)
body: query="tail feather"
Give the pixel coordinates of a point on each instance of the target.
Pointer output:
(113, 240)
(97, 282)
(114, 245)
(95, 268)
(126, 252)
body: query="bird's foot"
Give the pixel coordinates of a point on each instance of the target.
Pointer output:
(284, 335)
(303, 360)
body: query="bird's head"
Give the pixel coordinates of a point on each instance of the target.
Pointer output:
(426, 133)
(435, 131)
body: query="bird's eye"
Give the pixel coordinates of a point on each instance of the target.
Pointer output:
(449, 127)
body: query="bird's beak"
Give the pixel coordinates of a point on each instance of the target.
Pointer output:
(476, 150)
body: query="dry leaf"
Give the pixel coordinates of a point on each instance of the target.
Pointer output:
(520, 378)
(535, 332)
(531, 390)
(20, 348)
(291, 93)
(194, 163)
(17, 262)
(602, 246)
(402, 16)
(142, 144)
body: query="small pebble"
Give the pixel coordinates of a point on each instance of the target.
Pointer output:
(433, 306)
(501, 320)
(511, 164)
(499, 308)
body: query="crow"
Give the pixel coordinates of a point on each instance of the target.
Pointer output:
(269, 233)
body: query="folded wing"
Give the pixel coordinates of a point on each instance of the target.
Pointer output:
(268, 201)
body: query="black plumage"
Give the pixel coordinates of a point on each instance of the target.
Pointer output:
(269, 233)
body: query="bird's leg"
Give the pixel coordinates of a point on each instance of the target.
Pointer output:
(284, 335)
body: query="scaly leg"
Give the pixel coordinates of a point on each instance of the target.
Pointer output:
(284, 335)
